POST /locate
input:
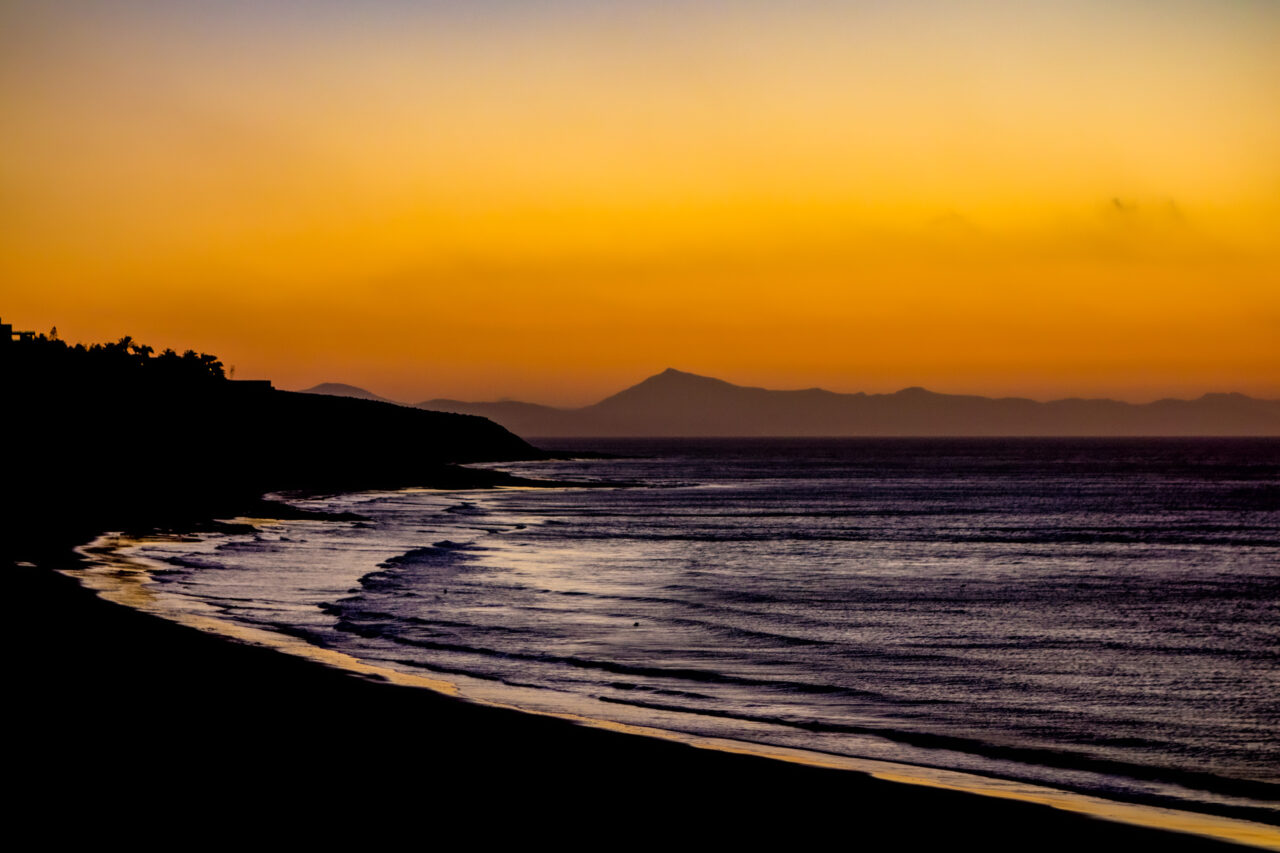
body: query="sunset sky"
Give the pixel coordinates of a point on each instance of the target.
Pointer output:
(552, 200)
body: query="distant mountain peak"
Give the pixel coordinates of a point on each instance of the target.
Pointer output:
(672, 378)
(672, 373)
(679, 403)
(341, 389)
(665, 388)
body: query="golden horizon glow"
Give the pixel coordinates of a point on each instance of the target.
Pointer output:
(491, 200)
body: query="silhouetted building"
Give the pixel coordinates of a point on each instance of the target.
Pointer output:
(7, 334)
(250, 385)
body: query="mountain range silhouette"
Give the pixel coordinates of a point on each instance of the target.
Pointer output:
(674, 403)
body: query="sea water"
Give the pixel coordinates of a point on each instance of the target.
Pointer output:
(1095, 615)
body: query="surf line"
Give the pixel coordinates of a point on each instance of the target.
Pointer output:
(115, 572)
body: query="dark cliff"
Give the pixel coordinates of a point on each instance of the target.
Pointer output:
(116, 434)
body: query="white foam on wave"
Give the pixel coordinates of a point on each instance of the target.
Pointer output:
(124, 570)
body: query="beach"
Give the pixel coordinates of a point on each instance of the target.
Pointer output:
(127, 720)
(727, 425)
(271, 740)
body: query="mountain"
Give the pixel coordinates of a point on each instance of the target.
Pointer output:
(674, 403)
(340, 389)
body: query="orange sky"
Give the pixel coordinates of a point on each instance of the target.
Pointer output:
(551, 201)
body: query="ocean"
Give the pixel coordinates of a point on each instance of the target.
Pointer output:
(1095, 616)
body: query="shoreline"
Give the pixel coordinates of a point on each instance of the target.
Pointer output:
(245, 693)
(126, 580)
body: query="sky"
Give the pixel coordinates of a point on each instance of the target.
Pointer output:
(552, 199)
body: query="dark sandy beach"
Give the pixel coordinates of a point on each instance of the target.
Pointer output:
(283, 745)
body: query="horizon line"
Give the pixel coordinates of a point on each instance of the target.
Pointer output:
(908, 388)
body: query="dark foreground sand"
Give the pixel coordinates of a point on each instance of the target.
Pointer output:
(123, 724)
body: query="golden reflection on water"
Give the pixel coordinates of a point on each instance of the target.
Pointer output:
(124, 578)
(116, 573)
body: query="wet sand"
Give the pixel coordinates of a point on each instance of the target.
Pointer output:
(100, 694)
